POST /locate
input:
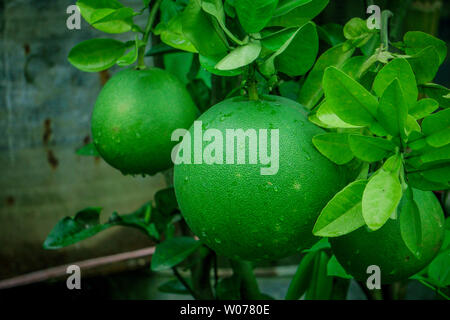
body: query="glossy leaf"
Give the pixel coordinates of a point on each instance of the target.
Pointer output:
(410, 223)
(437, 128)
(439, 93)
(240, 57)
(423, 108)
(209, 64)
(172, 34)
(440, 174)
(415, 41)
(285, 6)
(439, 271)
(327, 116)
(331, 33)
(83, 225)
(418, 181)
(357, 32)
(381, 197)
(200, 29)
(393, 110)
(96, 54)
(300, 15)
(255, 14)
(172, 252)
(300, 55)
(425, 65)
(436, 155)
(397, 69)
(350, 101)
(334, 146)
(343, 213)
(117, 18)
(277, 39)
(312, 90)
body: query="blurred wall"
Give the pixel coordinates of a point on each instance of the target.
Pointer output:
(45, 109)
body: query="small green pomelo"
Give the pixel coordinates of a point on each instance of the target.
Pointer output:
(242, 214)
(134, 117)
(385, 247)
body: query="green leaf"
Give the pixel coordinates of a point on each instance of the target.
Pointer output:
(285, 6)
(85, 224)
(88, 150)
(343, 213)
(423, 108)
(381, 197)
(393, 164)
(312, 91)
(240, 57)
(334, 146)
(410, 223)
(301, 279)
(173, 286)
(172, 34)
(327, 116)
(418, 181)
(299, 15)
(139, 219)
(255, 14)
(436, 155)
(440, 174)
(397, 69)
(439, 93)
(301, 53)
(335, 269)
(393, 110)
(331, 33)
(348, 99)
(276, 40)
(436, 128)
(415, 41)
(439, 271)
(202, 31)
(170, 9)
(425, 65)
(357, 32)
(131, 56)
(209, 64)
(172, 252)
(96, 54)
(118, 19)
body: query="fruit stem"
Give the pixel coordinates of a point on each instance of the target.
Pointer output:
(185, 284)
(151, 20)
(249, 286)
(384, 32)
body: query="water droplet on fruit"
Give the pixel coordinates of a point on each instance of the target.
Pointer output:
(138, 135)
(186, 179)
(259, 245)
(218, 241)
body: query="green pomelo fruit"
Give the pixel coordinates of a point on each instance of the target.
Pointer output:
(242, 214)
(134, 117)
(385, 247)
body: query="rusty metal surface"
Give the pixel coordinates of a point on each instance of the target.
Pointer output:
(45, 107)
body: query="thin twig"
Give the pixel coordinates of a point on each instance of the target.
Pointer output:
(185, 284)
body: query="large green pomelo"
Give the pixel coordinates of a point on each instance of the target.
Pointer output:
(134, 117)
(385, 247)
(242, 214)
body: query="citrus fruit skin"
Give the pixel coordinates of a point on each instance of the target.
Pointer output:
(386, 248)
(242, 214)
(134, 117)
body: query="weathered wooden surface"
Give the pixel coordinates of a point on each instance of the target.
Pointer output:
(45, 109)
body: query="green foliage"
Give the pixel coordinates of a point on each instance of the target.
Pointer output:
(88, 150)
(96, 54)
(173, 251)
(255, 14)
